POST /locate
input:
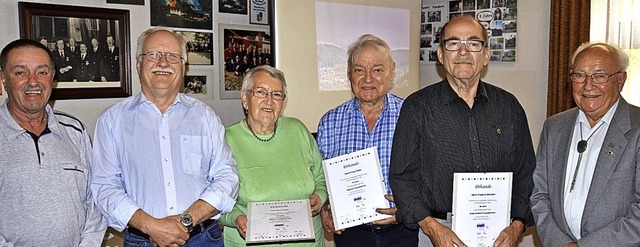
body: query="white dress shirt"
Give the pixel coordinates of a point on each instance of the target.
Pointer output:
(575, 200)
(161, 162)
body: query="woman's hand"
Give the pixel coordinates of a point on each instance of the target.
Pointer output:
(316, 204)
(241, 225)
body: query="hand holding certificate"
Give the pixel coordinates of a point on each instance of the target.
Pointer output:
(279, 221)
(356, 188)
(481, 206)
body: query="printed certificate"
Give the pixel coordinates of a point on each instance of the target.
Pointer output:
(279, 221)
(356, 188)
(481, 206)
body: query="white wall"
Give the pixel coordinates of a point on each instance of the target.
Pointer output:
(87, 110)
(526, 78)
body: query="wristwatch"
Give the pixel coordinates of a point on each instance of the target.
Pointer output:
(187, 221)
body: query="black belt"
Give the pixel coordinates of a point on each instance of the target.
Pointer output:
(196, 229)
(439, 215)
(378, 228)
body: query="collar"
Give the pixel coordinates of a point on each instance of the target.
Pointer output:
(11, 130)
(606, 119)
(355, 107)
(448, 95)
(181, 98)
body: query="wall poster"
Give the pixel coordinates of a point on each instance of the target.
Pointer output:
(498, 16)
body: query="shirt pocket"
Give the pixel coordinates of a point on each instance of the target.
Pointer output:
(75, 176)
(191, 152)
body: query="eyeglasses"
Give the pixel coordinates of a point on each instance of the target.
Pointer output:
(154, 56)
(456, 44)
(262, 93)
(597, 78)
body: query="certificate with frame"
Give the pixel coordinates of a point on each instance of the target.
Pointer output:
(356, 188)
(481, 206)
(279, 221)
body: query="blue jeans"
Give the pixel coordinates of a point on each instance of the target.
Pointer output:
(211, 236)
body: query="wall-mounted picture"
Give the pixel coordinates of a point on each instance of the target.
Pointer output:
(199, 47)
(244, 47)
(132, 2)
(90, 48)
(182, 13)
(233, 6)
(195, 84)
(259, 12)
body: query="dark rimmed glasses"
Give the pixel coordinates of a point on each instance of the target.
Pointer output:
(154, 56)
(456, 44)
(596, 78)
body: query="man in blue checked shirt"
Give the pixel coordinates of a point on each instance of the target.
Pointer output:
(367, 120)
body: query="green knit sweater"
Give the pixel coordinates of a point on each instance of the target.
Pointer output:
(288, 167)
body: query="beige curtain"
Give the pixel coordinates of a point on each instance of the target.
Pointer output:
(569, 27)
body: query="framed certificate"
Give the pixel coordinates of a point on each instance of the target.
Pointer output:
(356, 188)
(279, 221)
(481, 206)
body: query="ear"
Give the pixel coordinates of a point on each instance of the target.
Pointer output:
(244, 100)
(622, 78)
(138, 65)
(440, 55)
(487, 56)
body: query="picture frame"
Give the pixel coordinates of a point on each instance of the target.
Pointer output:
(107, 74)
(195, 85)
(232, 7)
(259, 12)
(233, 40)
(199, 47)
(197, 14)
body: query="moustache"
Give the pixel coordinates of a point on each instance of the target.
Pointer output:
(37, 87)
(161, 69)
(463, 61)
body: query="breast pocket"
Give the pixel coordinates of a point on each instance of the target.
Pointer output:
(192, 154)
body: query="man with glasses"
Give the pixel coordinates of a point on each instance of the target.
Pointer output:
(163, 171)
(461, 124)
(587, 179)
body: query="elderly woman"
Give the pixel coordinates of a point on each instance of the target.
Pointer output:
(277, 157)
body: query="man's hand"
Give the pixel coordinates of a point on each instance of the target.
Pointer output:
(509, 236)
(241, 225)
(327, 218)
(167, 232)
(572, 244)
(439, 234)
(389, 211)
(316, 205)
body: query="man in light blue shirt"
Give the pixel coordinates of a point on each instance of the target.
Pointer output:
(163, 171)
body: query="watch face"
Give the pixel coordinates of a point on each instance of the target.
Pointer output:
(186, 220)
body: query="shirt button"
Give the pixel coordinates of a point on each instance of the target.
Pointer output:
(42, 153)
(169, 184)
(170, 208)
(166, 160)
(163, 137)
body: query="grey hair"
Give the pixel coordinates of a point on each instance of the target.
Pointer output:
(616, 51)
(248, 81)
(143, 37)
(367, 40)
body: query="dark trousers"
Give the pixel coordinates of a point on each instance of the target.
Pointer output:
(377, 236)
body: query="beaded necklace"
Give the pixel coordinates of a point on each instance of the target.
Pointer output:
(256, 136)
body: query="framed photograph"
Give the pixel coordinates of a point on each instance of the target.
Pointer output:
(199, 47)
(259, 12)
(244, 47)
(233, 6)
(195, 84)
(90, 48)
(184, 14)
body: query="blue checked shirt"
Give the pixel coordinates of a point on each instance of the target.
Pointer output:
(344, 129)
